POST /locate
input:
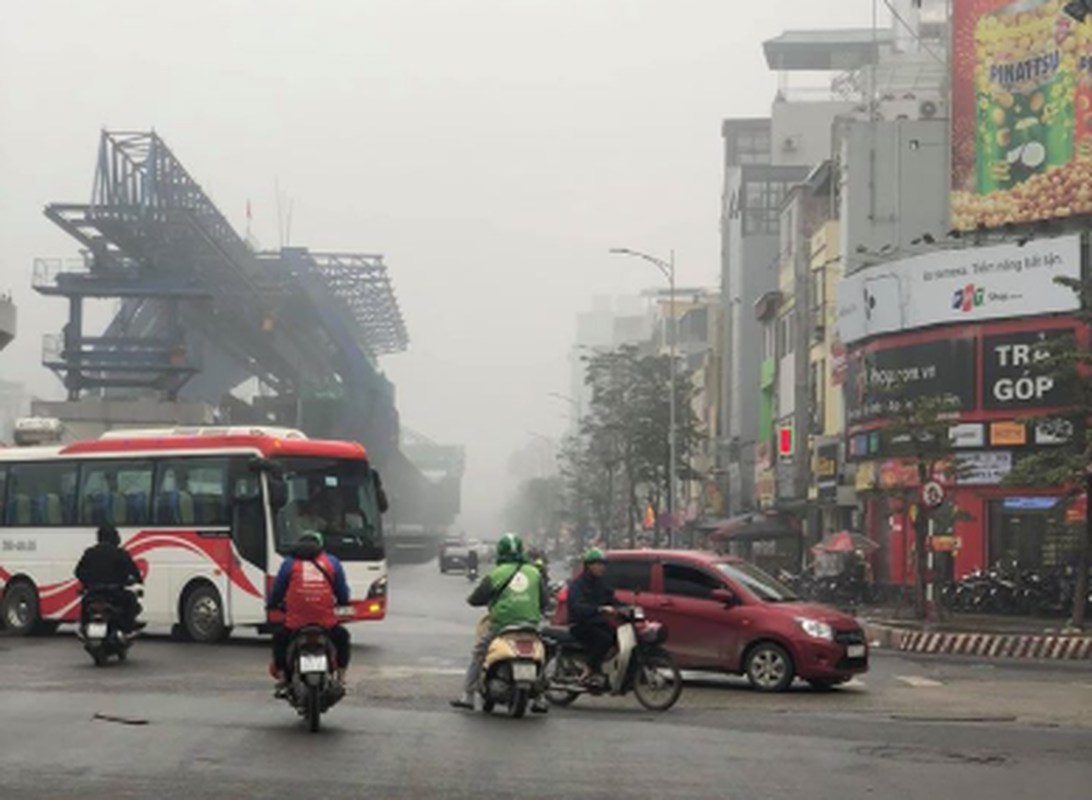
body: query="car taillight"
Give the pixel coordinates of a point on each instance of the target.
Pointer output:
(525, 647)
(312, 638)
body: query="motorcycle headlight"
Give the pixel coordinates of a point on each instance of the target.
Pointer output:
(816, 629)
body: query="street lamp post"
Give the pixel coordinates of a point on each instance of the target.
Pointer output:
(668, 270)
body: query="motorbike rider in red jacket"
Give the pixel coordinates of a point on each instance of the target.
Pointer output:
(310, 586)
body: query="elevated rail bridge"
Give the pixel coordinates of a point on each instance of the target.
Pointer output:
(201, 313)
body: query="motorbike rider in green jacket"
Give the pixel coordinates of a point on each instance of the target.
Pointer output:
(515, 595)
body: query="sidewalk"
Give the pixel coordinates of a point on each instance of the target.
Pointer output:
(977, 635)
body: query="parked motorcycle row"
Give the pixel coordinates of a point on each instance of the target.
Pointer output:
(1009, 590)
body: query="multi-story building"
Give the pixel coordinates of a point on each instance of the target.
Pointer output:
(764, 160)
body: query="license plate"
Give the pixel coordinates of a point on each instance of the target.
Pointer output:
(522, 671)
(310, 663)
(96, 630)
(856, 651)
(345, 611)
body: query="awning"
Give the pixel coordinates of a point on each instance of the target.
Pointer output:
(845, 542)
(755, 527)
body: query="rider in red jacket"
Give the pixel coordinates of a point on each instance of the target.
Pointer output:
(310, 585)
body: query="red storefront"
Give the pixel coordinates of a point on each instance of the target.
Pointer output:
(988, 370)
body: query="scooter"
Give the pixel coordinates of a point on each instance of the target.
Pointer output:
(640, 664)
(513, 670)
(472, 573)
(313, 689)
(99, 628)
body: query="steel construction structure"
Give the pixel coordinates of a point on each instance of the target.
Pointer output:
(200, 311)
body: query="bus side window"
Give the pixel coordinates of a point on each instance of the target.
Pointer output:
(43, 494)
(115, 492)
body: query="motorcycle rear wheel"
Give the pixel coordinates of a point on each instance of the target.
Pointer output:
(314, 707)
(517, 703)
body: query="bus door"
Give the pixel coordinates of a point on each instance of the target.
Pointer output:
(250, 561)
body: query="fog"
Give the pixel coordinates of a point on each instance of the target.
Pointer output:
(493, 150)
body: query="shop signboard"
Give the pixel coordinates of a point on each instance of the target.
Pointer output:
(826, 471)
(1014, 375)
(967, 435)
(1008, 434)
(957, 287)
(881, 380)
(987, 468)
(1020, 128)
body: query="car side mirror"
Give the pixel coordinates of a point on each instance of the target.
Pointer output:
(726, 596)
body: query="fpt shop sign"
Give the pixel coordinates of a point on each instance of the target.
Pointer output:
(1015, 375)
(975, 284)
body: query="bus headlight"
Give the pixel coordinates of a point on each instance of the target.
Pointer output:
(378, 589)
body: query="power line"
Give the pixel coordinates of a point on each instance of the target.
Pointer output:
(913, 32)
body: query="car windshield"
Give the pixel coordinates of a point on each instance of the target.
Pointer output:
(763, 586)
(338, 499)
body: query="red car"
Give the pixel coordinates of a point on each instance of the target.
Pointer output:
(727, 615)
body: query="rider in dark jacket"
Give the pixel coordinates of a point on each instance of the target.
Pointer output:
(106, 569)
(591, 604)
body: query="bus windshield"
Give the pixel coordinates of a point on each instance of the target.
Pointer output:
(338, 499)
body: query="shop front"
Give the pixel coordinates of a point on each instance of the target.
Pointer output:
(1000, 406)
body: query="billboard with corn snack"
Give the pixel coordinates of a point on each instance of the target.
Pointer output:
(1021, 113)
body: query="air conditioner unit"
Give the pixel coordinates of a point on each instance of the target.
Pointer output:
(790, 144)
(931, 109)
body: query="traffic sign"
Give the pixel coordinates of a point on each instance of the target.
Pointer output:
(932, 494)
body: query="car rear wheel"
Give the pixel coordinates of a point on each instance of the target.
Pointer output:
(770, 667)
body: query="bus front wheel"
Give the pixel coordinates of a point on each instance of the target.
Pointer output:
(203, 615)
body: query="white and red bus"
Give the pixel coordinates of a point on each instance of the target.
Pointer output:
(207, 513)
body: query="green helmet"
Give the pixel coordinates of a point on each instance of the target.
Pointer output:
(312, 537)
(509, 549)
(594, 556)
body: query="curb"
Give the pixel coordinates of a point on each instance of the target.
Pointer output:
(989, 645)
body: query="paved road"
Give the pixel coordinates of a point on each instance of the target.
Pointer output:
(910, 728)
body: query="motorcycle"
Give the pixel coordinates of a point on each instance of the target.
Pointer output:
(640, 665)
(313, 689)
(472, 573)
(512, 672)
(99, 628)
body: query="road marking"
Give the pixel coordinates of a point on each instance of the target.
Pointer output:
(854, 683)
(918, 682)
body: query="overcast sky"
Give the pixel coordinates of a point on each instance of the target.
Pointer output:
(493, 150)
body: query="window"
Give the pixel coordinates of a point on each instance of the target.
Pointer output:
(786, 344)
(762, 201)
(337, 498)
(248, 527)
(683, 581)
(116, 493)
(630, 576)
(3, 492)
(817, 390)
(191, 491)
(41, 495)
(758, 582)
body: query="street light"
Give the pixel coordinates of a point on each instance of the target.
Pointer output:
(668, 270)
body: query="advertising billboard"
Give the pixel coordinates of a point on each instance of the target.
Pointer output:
(960, 286)
(1021, 113)
(882, 380)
